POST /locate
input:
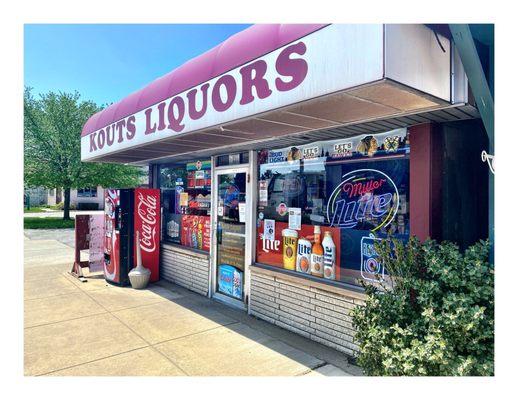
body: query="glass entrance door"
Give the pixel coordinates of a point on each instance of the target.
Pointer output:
(230, 234)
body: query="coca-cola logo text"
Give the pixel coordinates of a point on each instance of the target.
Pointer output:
(146, 209)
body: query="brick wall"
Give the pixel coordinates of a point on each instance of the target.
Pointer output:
(185, 268)
(310, 311)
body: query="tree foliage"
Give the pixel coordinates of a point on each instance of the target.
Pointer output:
(436, 316)
(52, 146)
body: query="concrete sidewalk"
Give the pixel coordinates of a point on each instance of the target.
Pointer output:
(92, 328)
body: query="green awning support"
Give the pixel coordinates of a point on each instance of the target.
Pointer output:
(465, 44)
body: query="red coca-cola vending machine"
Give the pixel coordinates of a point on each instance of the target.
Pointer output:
(127, 211)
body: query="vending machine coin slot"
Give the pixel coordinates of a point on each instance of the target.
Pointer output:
(118, 218)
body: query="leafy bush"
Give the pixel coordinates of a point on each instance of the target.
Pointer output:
(435, 316)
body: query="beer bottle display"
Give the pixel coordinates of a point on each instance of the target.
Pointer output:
(289, 248)
(303, 255)
(329, 256)
(194, 236)
(317, 255)
(200, 235)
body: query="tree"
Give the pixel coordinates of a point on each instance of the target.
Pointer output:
(52, 147)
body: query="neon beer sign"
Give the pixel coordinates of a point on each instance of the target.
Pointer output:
(364, 195)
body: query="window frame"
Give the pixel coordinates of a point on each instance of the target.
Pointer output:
(164, 237)
(346, 280)
(92, 192)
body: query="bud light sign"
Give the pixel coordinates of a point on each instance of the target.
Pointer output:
(365, 199)
(372, 269)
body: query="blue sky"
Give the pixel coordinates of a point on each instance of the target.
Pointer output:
(108, 62)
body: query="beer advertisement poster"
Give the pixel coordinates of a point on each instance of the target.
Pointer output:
(269, 251)
(230, 281)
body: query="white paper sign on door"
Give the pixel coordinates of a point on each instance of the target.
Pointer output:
(269, 229)
(263, 193)
(242, 212)
(294, 218)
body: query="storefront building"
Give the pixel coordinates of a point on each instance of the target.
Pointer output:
(287, 151)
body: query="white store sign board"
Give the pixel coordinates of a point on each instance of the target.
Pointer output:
(336, 57)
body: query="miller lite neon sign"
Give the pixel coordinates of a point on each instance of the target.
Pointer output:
(364, 195)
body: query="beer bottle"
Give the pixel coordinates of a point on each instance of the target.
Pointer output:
(200, 234)
(317, 255)
(329, 256)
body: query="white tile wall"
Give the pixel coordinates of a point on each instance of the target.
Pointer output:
(309, 311)
(186, 269)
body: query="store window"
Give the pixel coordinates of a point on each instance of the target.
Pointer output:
(186, 203)
(87, 192)
(322, 206)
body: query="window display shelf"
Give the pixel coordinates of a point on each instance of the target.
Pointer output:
(197, 188)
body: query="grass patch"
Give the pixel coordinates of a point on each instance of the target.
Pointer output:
(34, 209)
(47, 223)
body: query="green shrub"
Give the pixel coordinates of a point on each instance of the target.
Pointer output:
(34, 209)
(435, 316)
(60, 206)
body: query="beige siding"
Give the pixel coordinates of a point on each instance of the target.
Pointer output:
(185, 268)
(315, 313)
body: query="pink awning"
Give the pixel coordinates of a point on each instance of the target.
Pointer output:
(239, 49)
